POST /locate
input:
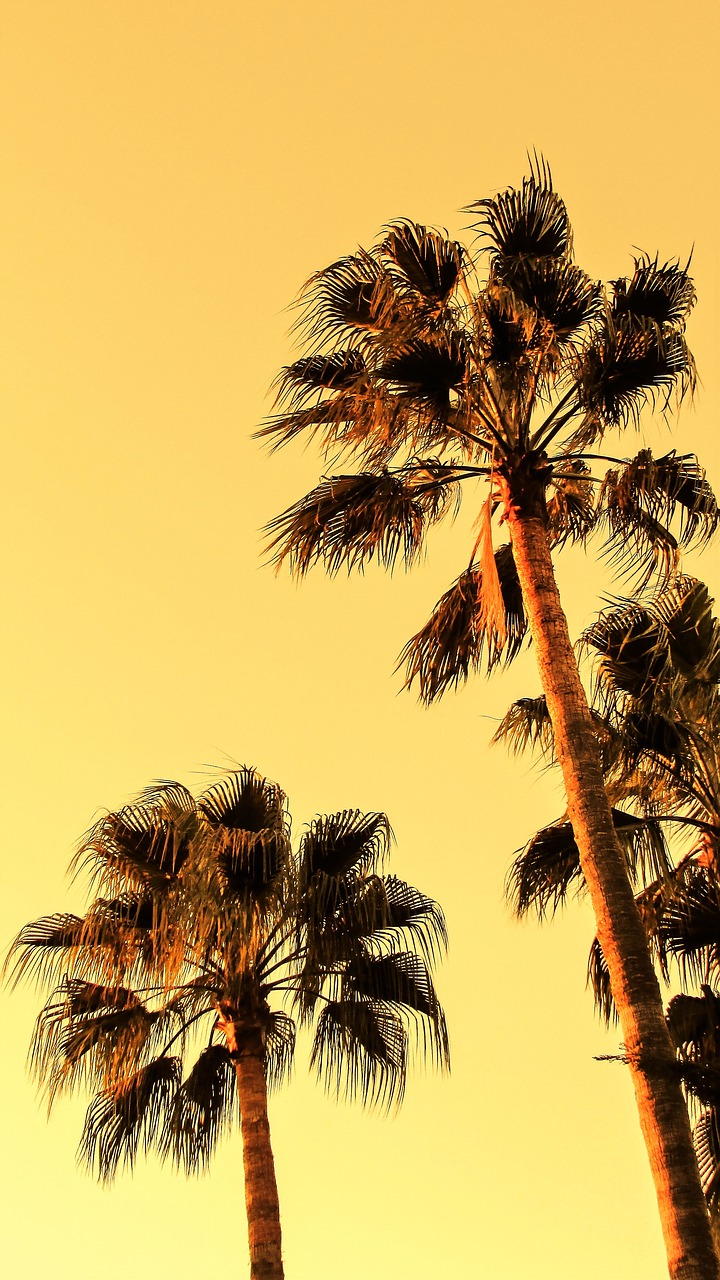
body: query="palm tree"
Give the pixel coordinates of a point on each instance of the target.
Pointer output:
(168, 993)
(430, 378)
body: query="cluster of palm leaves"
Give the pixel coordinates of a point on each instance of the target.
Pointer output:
(429, 376)
(204, 919)
(657, 715)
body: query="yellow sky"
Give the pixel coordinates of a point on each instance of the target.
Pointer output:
(172, 173)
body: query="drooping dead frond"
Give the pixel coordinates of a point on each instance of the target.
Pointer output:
(461, 633)
(280, 1035)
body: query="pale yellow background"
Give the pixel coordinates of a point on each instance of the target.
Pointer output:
(171, 173)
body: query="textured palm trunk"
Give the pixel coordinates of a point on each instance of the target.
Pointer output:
(261, 1194)
(636, 992)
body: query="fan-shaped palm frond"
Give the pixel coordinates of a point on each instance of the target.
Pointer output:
(430, 263)
(664, 294)
(563, 297)
(353, 297)
(531, 222)
(628, 364)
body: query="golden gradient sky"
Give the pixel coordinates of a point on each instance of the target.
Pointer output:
(172, 173)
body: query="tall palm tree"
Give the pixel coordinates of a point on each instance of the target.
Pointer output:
(430, 377)
(176, 996)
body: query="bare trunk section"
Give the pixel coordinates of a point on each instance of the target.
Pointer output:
(650, 1054)
(245, 1044)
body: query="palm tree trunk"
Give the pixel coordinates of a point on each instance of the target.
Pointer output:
(261, 1195)
(636, 992)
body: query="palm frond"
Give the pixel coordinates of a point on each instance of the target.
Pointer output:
(529, 222)
(664, 294)
(139, 845)
(526, 724)
(564, 298)
(348, 520)
(685, 608)
(280, 1034)
(360, 1051)
(633, 647)
(407, 911)
(430, 263)
(694, 1024)
(571, 507)
(72, 1045)
(352, 298)
(628, 364)
(460, 635)
(427, 370)
(544, 872)
(338, 842)
(41, 948)
(400, 978)
(129, 1117)
(548, 868)
(204, 1108)
(598, 979)
(706, 1138)
(244, 801)
(638, 502)
(689, 930)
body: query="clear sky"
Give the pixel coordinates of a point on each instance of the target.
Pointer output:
(172, 173)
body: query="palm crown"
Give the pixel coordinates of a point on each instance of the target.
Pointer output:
(209, 938)
(432, 378)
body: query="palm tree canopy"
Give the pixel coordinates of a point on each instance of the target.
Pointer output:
(203, 914)
(430, 368)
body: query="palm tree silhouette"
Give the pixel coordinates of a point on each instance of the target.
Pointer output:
(206, 942)
(430, 378)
